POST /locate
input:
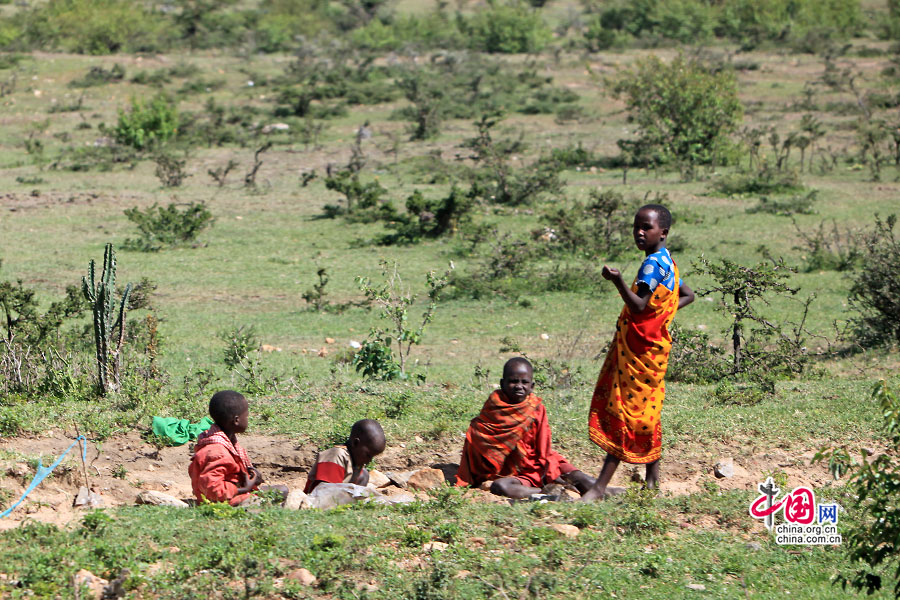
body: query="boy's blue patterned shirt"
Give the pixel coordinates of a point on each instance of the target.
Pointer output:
(657, 269)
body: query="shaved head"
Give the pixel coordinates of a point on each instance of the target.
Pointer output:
(516, 362)
(370, 434)
(226, 405)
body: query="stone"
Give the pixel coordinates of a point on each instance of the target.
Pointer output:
(302, 576)
(754, 546)
(697, 587)
(155, 498)
(545, 336)
(269, 348)
(569, 531)
(95, 584)
(88, 498)
(18, 471)
(273, 127)
(426, 479)
(329, 340)
(724, 468)
(296, 499)
(323, 352)
(377, 479)
(435, 546)
(400, 479)
(355, 345)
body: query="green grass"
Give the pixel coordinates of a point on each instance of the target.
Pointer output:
(494, 551)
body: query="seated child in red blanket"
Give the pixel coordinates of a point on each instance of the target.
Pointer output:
(220, 469)
(346, 464)
(509, 442)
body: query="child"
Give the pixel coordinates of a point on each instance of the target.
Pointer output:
(347, 464)
(220, 469)
(625, 410)
(509, 442)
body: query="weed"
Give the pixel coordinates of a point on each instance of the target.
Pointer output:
(797, 205)
(170, 170)
(147, 124)
(119, 472)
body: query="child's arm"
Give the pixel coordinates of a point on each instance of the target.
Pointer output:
(250, 482)
(685, 295)
(636, 303)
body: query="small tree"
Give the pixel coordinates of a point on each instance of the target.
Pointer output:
(378, 358)
(744, 291)
(683, 112)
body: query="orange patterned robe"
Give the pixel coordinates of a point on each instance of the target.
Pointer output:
(628, 398)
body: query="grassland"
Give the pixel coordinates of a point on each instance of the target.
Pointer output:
(262, 253)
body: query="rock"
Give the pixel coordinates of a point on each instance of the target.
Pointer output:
(88, 498)
(399, 479)
(302, 576)
(269, 348)
(435, 546)
(296, 499)
(155, 498)
(462, 574)
(116, 588)
(377, 479)
(273, 127)
(697, 587)
(569, 531)
(754, 546)
(724, 468)
(18, 471)
(329, 340)
(94, 584)
(355, 345)
(545, 336)
(323, 352)
(426, 479)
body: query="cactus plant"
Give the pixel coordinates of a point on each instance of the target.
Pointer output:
(109, 323)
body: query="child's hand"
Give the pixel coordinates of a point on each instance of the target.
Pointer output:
(610, 274)
(257, 477)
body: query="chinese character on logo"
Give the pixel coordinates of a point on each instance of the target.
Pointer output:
(828, 513)
(800, 506)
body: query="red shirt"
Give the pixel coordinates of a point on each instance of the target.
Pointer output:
(216, 475)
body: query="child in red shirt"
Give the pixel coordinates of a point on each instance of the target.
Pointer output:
(220, 469)
(347, 464)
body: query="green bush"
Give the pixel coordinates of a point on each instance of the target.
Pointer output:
(147, 124)
(683, 112)
(875, 291)
(685, 21)
(766, 180)
(160, 227)
(509, 28)
(874, 537)
(427, 218)
(94, 27)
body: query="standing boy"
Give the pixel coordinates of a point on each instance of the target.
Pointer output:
(509, 443)
(628, 398)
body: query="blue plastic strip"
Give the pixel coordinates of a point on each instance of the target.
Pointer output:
(43, 471)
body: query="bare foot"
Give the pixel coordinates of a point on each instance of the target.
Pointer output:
(593, 495)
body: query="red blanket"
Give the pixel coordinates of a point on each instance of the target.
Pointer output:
(510, 440)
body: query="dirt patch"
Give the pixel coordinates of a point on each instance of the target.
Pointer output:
(123, 466)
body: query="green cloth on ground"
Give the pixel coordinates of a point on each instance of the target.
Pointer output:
(179, 431)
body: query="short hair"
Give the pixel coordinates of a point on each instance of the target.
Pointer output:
(517, 360)
(226, 405)
(369, 432)
(663, 216)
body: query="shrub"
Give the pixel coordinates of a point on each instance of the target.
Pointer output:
(363, 201)
(94, 27)
(600, 228)
(875, 292)
(99, 76)
(147, 124)
(796, 205)
(170, 170)
(429, 218)
(160, 227)
(766, 180)
(873, 536)
(685, 21)
(512, 27)
(683, 113)
(694, 357)
(832, 250)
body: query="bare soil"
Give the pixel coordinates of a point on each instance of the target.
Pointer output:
(140, 467)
